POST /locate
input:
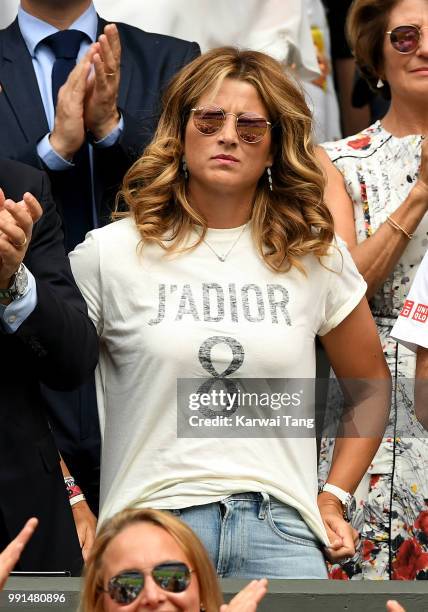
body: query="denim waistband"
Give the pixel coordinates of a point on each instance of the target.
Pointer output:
(244, 496)
(261, 498)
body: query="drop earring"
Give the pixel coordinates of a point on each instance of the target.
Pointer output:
(379, 84)
(269, 175)
(184, 166)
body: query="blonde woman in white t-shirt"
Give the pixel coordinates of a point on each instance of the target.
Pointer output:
(225, 268)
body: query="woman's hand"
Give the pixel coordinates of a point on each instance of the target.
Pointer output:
(248, 599)
(343, 537)
(394, 606)
(10, 556)
(86, 524)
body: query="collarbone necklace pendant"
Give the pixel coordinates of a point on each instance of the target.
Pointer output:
(225, 255)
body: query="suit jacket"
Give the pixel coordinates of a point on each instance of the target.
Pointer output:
(57, 345)
(148, 62)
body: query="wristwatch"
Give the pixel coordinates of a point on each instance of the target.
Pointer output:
(348, 500)
(18, 286)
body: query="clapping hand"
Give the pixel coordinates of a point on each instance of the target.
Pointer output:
(88, 99)
(16, 226)
(100, 113)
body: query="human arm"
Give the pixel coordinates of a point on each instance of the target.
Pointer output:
(377, 256)
(57, 340)
(84, 519)
(69, 133)
(10, 556)
(353, 455)
(248, 598)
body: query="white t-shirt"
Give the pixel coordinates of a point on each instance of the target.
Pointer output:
(153, 313)
(411, 327)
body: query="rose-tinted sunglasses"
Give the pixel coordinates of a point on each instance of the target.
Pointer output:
(250, 127)
(406, 38)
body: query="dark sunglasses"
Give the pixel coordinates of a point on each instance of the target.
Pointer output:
(171, 576)
(250, 127)
(406, 38)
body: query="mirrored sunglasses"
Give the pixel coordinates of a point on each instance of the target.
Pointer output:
(250, 127)
(405, 38)
(171, 576)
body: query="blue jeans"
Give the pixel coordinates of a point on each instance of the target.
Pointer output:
(252, 535)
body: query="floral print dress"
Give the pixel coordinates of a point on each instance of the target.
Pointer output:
(379, 171)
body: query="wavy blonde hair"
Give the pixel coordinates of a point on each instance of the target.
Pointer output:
(209, 590)
(287, 223)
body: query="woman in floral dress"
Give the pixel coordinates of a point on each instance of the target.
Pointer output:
(378, 194)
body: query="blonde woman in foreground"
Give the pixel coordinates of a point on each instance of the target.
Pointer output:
(226, 266)
(147, 559)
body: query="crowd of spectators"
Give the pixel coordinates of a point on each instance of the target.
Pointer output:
(209, 237)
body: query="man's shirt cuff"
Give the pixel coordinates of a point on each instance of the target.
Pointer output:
(13, 315)
(112, 138)
(50, 157)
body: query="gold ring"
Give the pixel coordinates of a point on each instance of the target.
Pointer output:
(22, 245)
(109, 73)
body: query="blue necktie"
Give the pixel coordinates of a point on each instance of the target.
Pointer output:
(65, 44)
(72, 188)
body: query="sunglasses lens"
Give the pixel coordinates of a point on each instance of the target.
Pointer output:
(208, 120)
(405, 39)
(172, 577)
(126, 587)
(251, 128)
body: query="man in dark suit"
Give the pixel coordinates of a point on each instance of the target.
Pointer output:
(132, 68)
(45, 336)
(86, 134)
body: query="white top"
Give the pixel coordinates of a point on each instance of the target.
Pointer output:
(411, 327)
(8, 12)
(277, 27)
(283, 29)
(153, 313)
(321, 98)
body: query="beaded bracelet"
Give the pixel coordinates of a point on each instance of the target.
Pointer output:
(75, 493)
(397, 226)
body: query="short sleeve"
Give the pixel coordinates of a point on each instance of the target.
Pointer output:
(85, 265)
(346, 287)
(411, 327)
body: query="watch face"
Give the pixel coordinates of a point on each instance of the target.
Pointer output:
(20, 283)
